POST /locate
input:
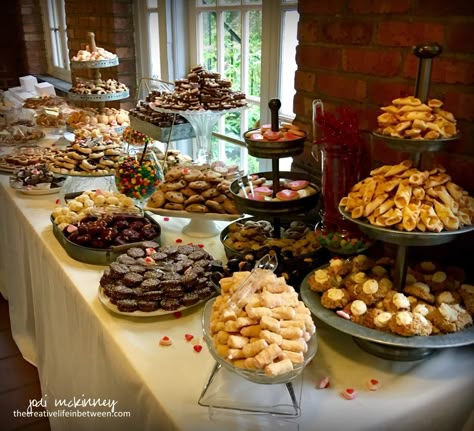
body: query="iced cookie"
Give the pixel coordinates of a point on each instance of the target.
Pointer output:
(334, 298)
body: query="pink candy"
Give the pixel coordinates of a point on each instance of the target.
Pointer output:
(343, 314)
(349, 393)
(324, 383)
(373, 384)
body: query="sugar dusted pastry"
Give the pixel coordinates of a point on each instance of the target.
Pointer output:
(269, 332)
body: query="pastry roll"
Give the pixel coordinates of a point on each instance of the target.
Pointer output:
(253, 348)
(291, 333)
(409, 100)
(409, 108)
(257, 312)
(245, 321)
(380, 170)
(295, 357)
(397, 169)
(371, 206)
(357, 212)
(368, 191)
(237, 341)
(391, 217)
(280, 367)
(450, 221)
(430, 219)
(411, 215)
(294, 345)
(267, 355)
(384, 207)
(437, 180)
(446, 198)
(418, 193)
(454, 190)
(267, 322)
(386, 119)
(251, 331)
(271, 337)
(403, 194)
(283, 313)
(236, 354)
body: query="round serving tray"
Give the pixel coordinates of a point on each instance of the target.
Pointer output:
(406, 238)
(105, 300)
(275, 208)
(416, 145)
(99, 64)
(99, 97)
(274, 149)
(386, 345)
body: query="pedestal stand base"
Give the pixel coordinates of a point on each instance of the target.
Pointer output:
(201, 228)
(394, 353)
(229, 397)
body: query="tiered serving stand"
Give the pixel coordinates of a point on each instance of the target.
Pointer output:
(75, 183)
(380, 344)
(275, 150)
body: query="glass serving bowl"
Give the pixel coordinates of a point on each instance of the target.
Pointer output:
(255, 376)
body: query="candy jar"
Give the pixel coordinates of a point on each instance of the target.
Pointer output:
(138, 174)
(339, 149)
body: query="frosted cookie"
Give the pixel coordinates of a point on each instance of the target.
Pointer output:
(381, 320)
(362, 263)
(421, 291)
(339, 266)
(335, 298)
(357, 310)
(404, 323)
(320, 280)
(396, 301)
(370, 292)
(438, 281)
(450, 318)
(355, 278)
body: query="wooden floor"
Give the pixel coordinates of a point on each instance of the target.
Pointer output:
(18, 382)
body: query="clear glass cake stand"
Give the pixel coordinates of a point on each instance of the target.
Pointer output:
(81, 183)
(203, 123)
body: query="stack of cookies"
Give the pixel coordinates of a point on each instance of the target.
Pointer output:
(90, 156)
(196, 189)
(201, 90)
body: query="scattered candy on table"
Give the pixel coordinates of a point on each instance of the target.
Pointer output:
(373, 384)
(165, 341)
(349, 393)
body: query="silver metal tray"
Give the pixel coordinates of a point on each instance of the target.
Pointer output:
(99, 64)
(97, 256)
(416, 145)
(389, 346)
(98, 97)
(406, 238)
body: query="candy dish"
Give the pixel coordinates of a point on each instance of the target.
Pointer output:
(383, 344)
(105, 301)
(39, 191)
(255, 376)
(342, 243)
(416, 145)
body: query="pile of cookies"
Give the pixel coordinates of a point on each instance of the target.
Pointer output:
(433, 301)
(267, 330)
(109, 86)
(405, 198)
(43, 101)
(26, 157)
(96, 117)
(92, 203)
(409, 118)
(90, 156)
(201, 90)
(88, 55)
(196, 189)
(151, 278)
(296, 238)
(144, 112)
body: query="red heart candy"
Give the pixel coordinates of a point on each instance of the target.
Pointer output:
(188, 337)
(197, 348)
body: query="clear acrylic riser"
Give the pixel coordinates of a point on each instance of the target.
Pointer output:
(229, 397)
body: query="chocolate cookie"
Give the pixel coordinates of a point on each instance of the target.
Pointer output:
(190, 298)
(170, 304)
(132, 279)
(150, 284)
(118, 270)
(136, 252)
(126, 259)
(127, 305)
(147, 306)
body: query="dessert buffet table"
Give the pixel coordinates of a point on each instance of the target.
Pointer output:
(85, 353)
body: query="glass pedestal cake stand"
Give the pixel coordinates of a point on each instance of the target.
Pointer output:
(203, 123)
(248, 391)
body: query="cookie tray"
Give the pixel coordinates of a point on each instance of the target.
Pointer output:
(95, 256)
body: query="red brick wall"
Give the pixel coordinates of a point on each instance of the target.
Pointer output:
(358, 53)
(112, 23)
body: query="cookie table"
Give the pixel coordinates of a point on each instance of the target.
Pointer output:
(85, 352)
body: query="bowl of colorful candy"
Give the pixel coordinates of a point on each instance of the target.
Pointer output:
(342, 242)
(137, 176)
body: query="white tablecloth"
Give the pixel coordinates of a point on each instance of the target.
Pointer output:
(82, 350)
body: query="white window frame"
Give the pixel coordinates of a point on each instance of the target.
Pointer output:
(179, 51)
(54, 20)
